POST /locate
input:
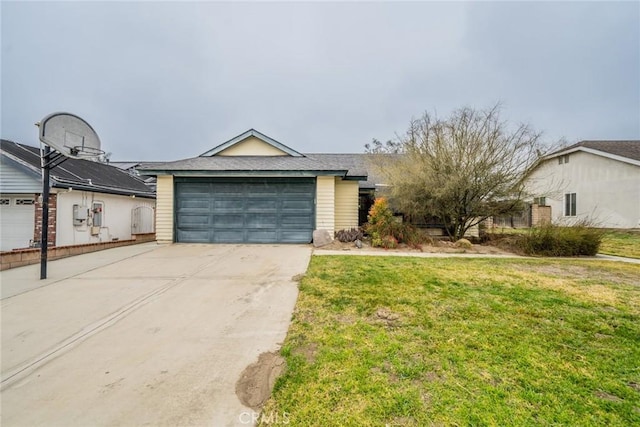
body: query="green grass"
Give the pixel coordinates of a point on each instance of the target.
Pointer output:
(621, 243)
(394, 341)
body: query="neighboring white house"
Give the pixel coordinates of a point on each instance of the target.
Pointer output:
(598, 181)
(90, 202)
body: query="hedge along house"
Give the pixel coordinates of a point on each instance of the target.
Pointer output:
(253, 189)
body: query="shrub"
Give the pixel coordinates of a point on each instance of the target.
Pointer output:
(351, 235)
(386, 231)
(554, 240)
(464, 243)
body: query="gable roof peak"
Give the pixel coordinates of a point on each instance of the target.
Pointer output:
(256, 134)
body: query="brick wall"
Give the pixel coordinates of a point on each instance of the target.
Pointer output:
(21, 257)
(51, 231)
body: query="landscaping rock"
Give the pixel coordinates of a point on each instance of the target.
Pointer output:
(321, 238)
(359, 244)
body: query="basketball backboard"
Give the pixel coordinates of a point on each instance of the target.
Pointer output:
(70, 135)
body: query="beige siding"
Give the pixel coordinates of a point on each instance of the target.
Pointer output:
(325, 203)
(164, 209)
(252, 146)
(346, 204)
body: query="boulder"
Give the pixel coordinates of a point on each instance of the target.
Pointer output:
(321, 238)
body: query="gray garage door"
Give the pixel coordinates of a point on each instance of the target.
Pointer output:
(245, 210)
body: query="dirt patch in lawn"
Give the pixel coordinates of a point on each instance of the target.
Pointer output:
(257, 380)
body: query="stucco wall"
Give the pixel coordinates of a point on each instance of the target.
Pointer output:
(346, 204)
(325, 203)
(607, 190)
(164, 208)
(252, 146)
(116, 217)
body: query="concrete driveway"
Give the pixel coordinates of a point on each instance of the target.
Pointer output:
(158, 335)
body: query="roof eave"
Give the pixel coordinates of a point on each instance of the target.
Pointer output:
(239, 173)
(593, 151)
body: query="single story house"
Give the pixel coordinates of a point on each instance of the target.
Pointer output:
(598, 181)
(90, 202)
(254, 189)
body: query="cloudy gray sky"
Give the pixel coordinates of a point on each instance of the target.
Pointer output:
(170, 80)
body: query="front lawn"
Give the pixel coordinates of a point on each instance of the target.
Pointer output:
(622, 243)
(396, 341)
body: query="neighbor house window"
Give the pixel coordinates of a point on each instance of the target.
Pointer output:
(541, 201)
(97, 209)
(563, 159)
(570, 204)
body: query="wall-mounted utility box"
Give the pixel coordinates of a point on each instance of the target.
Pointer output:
(80, 215)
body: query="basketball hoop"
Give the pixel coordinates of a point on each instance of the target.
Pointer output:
(70, 136)
(65, 136)
(85, 152)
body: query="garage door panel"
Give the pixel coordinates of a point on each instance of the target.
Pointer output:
(228, 205)
(304, 205)
(262, 221)
(293, 236)
(251, 210)
(193, 236)
(196, 220)
(301, 189)
(226, 189)
(262, 236)
(228, 221)
(195, 204)
(294, 221)
(228, 236)
(262, 205)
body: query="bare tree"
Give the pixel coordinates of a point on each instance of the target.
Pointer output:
(462, 170)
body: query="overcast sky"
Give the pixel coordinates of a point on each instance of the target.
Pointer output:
(164, 81)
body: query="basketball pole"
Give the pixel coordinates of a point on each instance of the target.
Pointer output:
(44, 237)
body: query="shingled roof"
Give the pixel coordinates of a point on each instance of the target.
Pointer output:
(629, 149)
(78, 174)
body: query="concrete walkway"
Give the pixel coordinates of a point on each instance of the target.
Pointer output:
(146, 335)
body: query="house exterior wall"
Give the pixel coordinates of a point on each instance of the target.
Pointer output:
(164, 208)
(325, 203)
(15, 180)
(346, 204)
(252, 146)
(607, 190)
(116, 217)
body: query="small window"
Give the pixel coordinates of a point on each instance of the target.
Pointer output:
(25, 202)
(5, 201)
(560, 160)
(570, 204)
(97, 210)
(540, 201)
